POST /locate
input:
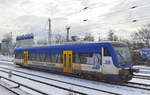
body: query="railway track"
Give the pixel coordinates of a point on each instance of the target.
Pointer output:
(140, 84)
(9, 89)
(128, 84)
(142, 77)
(144, 68)
(145, 72)
(8, 64)
(73, 84)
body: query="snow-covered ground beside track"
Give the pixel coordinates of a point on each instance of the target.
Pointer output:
(143, 70)
(4, 91)
(142, 67)
(136, 80)
(99, 85)
(55, 91)
(6, 58)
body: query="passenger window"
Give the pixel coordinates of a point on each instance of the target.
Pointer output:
(75, 58)
(106, 52)
(55, 58)
(58, 58)
(18, 55)
(85, 58)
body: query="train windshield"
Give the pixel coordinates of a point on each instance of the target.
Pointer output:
(123, 53)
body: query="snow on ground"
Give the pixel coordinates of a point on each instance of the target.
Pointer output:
(136, 80)
(55, 91)
(143, 70)
(11, 86)
(142, 67)
(93, 84)
(47, 89)
(6, 58)
(4, 91)
(143, 74)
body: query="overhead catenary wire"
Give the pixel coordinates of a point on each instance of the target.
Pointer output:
(114, 12)
(129, 9)
(133, 19)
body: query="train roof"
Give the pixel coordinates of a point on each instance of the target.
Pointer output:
(75, 47)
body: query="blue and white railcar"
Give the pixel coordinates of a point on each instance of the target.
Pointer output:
(145, 54)
(105, 60)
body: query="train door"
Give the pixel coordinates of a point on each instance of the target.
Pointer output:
(25, 60)
(106, 61)
(67, 61)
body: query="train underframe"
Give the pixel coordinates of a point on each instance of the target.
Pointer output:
(127, 74)
(123, 76)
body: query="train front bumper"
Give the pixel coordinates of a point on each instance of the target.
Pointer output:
(127, 74)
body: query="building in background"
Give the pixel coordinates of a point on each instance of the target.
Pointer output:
(6, 47)
(25, 40)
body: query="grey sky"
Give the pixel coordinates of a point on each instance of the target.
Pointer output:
(27, 16)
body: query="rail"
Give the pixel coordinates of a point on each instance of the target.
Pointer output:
(82, 85)
(19, 84)
(142, 77)
(120, 84)
(67, 89)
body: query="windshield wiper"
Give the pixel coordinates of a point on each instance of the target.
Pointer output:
(121, 56)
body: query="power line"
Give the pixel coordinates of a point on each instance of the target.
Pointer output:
(96, 25)
(110, 13)
(129, 9)
(89, 8)
(135, 18)
(132, 21)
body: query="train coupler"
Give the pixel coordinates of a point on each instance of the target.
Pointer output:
(134, 70)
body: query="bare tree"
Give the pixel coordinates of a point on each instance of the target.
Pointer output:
(74, 38)
(88, 37)
(143, 35)
(112, 36)
(7, 46)
(41, 42)
(8, 36)
(59, 39)
(115, 38)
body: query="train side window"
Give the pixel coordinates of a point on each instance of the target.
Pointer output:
(85, 58)
(55, 58)
(106, 52)
(37, 57)
(29, 56)
(43, 57)
(47, 57)
(33, 57)
(18, 55)
(52, 58)
(58, 58)
(75, 58)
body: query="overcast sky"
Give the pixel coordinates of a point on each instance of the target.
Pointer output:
(31, 16)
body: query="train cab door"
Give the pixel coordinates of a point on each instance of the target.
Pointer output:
(67, 61)
(25, 60)
(106, 61)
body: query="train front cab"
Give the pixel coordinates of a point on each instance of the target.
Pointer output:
(122, 61)
(109, 71)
